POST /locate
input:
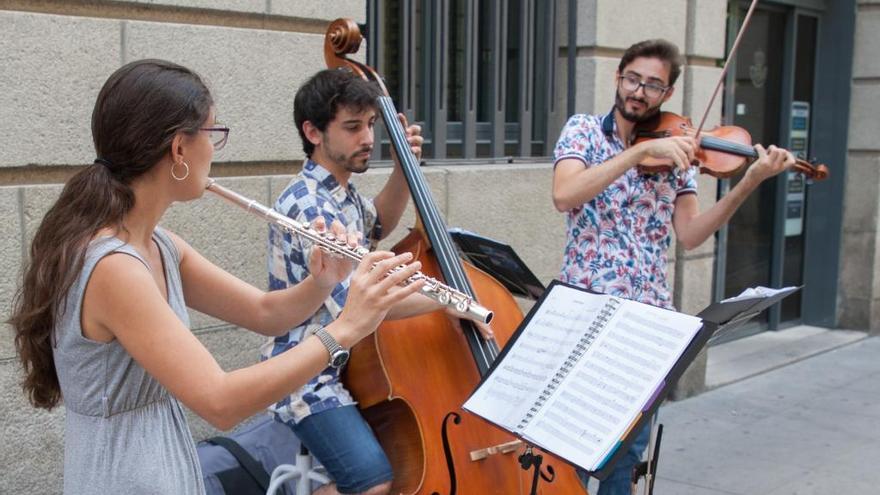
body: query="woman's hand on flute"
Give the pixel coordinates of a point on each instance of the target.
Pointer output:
(373, 290)
(330, 269)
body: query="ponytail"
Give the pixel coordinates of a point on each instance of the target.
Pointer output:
(91, 200)
(139, 110)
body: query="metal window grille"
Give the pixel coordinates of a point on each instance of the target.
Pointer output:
(478, 75)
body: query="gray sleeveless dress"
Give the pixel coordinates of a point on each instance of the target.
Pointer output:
(124, 432)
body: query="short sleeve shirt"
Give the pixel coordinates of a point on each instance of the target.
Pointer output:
(313, 193)
(617, 241)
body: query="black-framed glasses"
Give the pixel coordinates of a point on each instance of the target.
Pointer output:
(218, 136)
(632, 84)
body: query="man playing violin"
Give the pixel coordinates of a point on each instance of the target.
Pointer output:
(619, 220)
(335, 112)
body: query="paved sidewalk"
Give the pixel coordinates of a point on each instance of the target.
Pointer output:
(809, 427)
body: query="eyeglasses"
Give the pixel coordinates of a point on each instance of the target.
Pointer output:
(218, 136)
(632, 84)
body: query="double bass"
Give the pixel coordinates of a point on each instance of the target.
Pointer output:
(411, 377)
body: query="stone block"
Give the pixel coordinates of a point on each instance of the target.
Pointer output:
(855, 312)
(643, 19)
(11, 253)
(866, 44)
(321, 9)
(875, 280)
(32, 452)
(589, 87)
(586, 22)
(706, 28)
(694, 283)
(513, 204)
(225, 234)
(863, 109)
(862, 193)
(874, 323)
(46, 107)
(258, 6)
(560, 116)
(696, 86)
(253, 76)
(857, 268)
(36, 201)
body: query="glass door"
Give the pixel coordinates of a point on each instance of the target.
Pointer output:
(756, 79)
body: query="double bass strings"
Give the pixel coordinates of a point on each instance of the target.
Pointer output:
(442, 244)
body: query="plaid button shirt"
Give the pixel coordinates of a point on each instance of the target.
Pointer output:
(617, 241)
(313, 193)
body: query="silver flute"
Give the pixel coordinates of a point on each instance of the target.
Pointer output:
(433, 288)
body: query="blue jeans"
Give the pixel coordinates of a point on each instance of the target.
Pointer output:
(620, 480)
(347, 448)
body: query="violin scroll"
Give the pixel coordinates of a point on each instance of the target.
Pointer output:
(810, 169)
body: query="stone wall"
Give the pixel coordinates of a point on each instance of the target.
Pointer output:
(859, 296)
(55, 55)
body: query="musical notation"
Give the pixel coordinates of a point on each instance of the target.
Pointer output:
(581, 370)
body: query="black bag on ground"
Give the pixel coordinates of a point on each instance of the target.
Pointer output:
(242, 463)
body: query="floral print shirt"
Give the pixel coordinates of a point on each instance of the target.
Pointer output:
(313, 193)
(617, 242)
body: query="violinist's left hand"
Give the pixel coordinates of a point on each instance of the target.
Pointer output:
(413, 136)
(770, 162)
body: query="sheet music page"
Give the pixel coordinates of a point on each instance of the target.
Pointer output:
(759, 292)
(554, 330)
(605, 392)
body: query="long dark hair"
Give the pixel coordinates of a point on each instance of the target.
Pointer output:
(140, 109)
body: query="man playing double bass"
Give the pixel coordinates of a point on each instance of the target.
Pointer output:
(335, 112)
(620, 221)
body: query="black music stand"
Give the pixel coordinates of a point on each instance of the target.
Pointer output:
(500, 261)
(724, 316)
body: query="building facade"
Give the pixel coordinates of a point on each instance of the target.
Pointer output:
(492, 83)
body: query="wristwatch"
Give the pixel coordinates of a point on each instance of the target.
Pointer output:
(338, 354)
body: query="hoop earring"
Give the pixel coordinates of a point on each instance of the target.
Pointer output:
(186, 173)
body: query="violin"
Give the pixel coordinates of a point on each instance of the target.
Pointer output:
(721, 152)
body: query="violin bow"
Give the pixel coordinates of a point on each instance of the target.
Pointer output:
(730, 55)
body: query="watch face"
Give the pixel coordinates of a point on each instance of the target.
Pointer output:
(339, 358)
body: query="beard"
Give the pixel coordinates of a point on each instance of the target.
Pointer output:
(635, 117)
(356, 163)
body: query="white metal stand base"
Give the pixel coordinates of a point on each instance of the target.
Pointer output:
(302, 471)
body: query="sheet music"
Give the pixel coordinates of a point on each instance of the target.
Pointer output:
(605, 390)
(554, 330)
(759, 292)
